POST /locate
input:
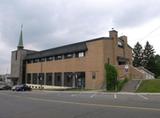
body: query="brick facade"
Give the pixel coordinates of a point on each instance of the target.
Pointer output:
(81, 62)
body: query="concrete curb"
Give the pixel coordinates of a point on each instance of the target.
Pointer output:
(100, 92)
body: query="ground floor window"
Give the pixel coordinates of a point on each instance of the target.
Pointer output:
(58, 79)
(41, 78)
(35, 77)
(48, 78)
(80, 79)
(68, 79)
(28, 78)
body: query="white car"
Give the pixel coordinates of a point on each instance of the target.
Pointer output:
(14, 87)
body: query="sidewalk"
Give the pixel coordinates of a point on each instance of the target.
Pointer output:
(98, 91)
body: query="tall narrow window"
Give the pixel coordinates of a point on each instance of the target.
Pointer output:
(57, 79)
(108, 61)
(28, 78)
(41, 78)
(93, 75)
(48, 78)
(35, 77)
(16, 55)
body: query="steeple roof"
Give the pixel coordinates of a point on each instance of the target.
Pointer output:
(20, 44)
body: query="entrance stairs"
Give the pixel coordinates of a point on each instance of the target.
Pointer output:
(131, 86)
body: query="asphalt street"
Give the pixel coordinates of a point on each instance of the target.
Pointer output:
(46, 104)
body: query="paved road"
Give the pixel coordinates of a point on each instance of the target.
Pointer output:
(42, 104)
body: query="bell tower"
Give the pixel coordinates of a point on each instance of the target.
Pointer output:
(17, 61)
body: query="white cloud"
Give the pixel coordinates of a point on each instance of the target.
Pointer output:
(51, 23)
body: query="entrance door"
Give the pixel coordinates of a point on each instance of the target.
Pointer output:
(80, 80)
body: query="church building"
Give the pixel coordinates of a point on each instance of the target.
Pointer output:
(78, 65)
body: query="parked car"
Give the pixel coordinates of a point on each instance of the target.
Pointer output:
(21, 87)
(14, 87)
(5, 87)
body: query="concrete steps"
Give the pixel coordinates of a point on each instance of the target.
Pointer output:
(131, 86)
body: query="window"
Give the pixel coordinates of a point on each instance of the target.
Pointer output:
(58, 57)
(66, 56)
(48, 78)
(80, 54)
(41, 59)
(120, 44)
(28, 78)
(16, 55)
(49, 58)
(80, 79)
(68, 79)
(35, 60)
(35, 77)
(108, 60)
(41, 78)
(57, 79)
(121, 62)
(29, 61)
(93, 75)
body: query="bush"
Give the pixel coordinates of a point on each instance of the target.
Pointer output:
(111, 77)
(121, 83)
(158, 77)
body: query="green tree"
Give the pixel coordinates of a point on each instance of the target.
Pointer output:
(151, 64)
(111, 77)
(148, 54)
(157, 66)
(137, 55)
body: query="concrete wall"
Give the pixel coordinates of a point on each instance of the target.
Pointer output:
(17, 58)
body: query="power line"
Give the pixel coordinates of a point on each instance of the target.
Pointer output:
(151, 32)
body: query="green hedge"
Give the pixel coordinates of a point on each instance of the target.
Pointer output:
(111, 77)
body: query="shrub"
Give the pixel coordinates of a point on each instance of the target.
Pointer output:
(158, 77)
(111, 77)
(121, 83)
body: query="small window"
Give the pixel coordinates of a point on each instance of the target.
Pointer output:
(66, 56)
(58, 57)
(108, 61)
(49, 58)
(120, 44)
(29, 61)
(93, 75)
(35, 60)
(41, 59)
(80, 54)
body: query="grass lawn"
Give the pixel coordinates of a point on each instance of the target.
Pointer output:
(149, 86)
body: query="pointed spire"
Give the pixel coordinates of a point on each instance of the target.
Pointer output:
(20, 44)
